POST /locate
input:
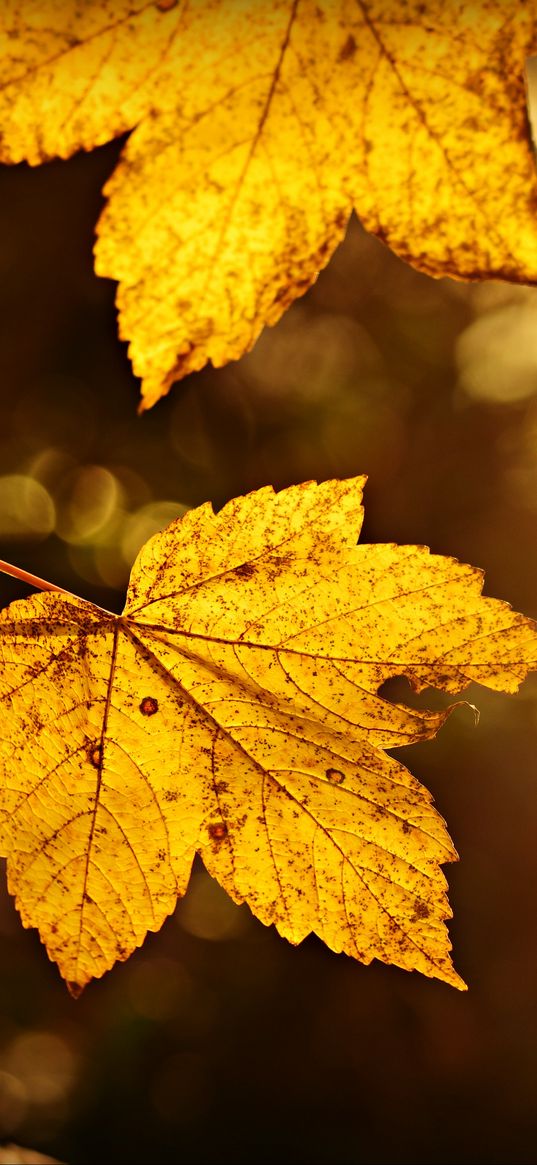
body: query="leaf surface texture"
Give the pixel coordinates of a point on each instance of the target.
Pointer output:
(233, 710)
(257, 126)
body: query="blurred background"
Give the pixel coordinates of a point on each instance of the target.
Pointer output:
(217, 1041)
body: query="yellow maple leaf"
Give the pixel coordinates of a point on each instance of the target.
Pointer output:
(259, 124)
(233, 710)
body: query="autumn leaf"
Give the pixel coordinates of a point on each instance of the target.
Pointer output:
(233, 709)
(257, 126)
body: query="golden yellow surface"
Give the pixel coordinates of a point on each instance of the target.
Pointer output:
(258, 125)
(233, 710)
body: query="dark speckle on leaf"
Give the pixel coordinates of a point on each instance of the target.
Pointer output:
(245, 570)
(348, 50)
(94, 755)
(149, 706)
(218, 831)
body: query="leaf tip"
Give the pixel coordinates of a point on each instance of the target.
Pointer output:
(445, 972)
(465, 704)
(75, 989)
(476, 712)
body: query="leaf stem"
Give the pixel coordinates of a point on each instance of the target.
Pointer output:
(42, 584)
(32, 579)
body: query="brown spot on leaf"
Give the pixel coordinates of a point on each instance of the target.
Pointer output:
(148, 706)
(166, 5)
(218, 831)
(421, 910)
(348, 49)
(245, 570)
(95, 755)
(335, 776)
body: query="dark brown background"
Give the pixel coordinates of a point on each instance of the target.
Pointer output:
(218, 1042)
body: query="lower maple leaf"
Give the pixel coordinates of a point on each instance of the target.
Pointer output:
(233, 710)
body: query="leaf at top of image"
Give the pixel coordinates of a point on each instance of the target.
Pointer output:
(257, 126)
(233, 710)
